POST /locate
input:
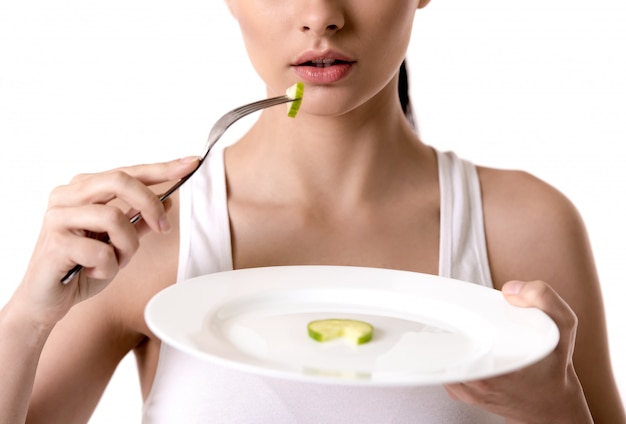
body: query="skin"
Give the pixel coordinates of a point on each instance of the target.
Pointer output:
(383, 210)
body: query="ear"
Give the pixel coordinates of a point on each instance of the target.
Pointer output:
(422, 3)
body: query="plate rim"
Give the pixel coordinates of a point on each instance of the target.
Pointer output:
(421, 279)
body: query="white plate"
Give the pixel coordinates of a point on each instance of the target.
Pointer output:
(427, 329)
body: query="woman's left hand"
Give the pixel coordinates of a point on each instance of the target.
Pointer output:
(546, 392)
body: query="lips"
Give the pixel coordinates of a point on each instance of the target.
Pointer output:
(323, 63)
(323, 67)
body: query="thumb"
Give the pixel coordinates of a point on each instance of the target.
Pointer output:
(538, 294)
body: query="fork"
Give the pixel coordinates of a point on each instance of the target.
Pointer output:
(218, 129)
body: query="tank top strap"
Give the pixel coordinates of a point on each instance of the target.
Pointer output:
(462, 245)
(205, 244)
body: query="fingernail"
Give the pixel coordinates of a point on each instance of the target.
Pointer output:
(164, 224)
(513, 287)
(189, 159)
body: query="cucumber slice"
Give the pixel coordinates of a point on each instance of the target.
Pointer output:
(357, 332)
(294, 92)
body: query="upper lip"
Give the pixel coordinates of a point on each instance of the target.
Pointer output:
(328, 56)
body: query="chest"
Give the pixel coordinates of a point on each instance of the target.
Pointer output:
(400, 236)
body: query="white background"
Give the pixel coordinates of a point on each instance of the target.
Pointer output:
(86, 86)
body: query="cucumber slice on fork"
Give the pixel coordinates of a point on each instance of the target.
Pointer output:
(295, 92)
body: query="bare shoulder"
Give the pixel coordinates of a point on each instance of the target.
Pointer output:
(533, 230)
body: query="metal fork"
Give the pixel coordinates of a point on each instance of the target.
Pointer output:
(219, 128)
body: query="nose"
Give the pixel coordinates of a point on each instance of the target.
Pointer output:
(321, 17)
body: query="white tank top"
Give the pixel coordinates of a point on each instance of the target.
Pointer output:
(189, 390)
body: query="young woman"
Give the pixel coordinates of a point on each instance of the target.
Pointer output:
(348, 182)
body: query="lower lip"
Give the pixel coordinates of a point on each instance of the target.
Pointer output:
(326, 75)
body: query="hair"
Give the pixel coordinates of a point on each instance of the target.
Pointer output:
(403, 93)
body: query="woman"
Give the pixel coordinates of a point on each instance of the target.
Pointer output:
(348, 182)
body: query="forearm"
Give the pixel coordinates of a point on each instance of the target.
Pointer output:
(21, 343)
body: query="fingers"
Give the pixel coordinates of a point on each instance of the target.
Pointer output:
(85, 206)
(491, 397)
(130, 185)
(151, 174)
(99, 260)
(122, 243)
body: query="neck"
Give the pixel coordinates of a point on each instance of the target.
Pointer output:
(346, 158)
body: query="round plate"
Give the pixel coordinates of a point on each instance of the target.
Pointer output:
(427, 329)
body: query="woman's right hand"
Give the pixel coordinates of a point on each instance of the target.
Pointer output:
(92, 204)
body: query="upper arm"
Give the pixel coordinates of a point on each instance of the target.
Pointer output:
(535, 233)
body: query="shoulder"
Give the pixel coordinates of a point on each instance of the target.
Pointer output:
(524, 196)
(532, 228)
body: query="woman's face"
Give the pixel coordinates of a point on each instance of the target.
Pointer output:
(344, 50)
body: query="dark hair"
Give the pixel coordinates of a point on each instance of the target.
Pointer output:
(403, 93)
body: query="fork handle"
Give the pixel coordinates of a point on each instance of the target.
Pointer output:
(71, 274)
